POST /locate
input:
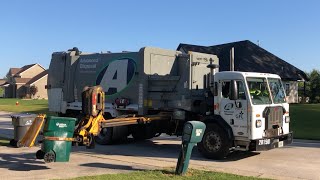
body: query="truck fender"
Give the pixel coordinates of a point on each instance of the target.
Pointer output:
(216, 119)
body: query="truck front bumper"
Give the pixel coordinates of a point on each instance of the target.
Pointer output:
(271, 143)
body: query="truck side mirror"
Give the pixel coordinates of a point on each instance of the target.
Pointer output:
(234, 90)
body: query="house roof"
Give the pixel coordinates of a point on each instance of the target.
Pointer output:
(249, 57)
(21, 80)
(37, 77)
(13, 71)
(2, 81)
(6, 84)
(24, 68)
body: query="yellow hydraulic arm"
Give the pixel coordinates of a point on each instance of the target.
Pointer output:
(90, 125)
(93, 109)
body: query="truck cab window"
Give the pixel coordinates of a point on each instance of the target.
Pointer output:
(241, 90)
(258, 89)
(226, 89)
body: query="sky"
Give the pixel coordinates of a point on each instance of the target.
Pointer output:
(30, 31)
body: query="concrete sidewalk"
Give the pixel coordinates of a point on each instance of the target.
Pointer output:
(6, 128)
(21, 163)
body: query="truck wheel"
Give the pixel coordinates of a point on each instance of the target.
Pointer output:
(215, 143)
(105, 136)
(143, 132)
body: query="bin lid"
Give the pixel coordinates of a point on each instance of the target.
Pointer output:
(22, 115)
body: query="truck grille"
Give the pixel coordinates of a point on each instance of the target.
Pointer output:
(273, 117)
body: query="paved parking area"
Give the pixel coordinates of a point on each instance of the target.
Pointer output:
(301, 160)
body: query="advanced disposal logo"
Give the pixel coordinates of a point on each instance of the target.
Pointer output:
(28, 123)
(61, 125)
(116, 75)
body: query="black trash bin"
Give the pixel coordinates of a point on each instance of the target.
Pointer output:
(21, 124)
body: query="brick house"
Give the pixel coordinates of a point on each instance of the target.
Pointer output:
(19, 81)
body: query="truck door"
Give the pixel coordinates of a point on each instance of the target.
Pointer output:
(234, 112)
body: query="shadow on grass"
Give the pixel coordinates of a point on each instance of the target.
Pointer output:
(111, 166)
(21, 162)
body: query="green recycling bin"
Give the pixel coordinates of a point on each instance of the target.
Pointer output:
(57, 139)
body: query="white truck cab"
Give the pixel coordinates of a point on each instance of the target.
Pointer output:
(254, 106)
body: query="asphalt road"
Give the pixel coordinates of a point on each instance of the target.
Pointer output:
(301, 160)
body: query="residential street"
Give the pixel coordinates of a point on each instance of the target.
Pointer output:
(301, 160)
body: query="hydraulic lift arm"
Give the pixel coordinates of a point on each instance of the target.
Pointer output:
(92, 121)
(93, 110)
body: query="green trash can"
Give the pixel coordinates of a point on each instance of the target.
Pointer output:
(57, 139)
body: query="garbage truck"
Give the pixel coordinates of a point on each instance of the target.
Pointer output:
(155, 91)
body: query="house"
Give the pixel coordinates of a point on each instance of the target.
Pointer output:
(38, 81)
(249, 57)
(20, 80)
(2, 81)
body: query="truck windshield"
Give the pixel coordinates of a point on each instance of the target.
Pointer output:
(277, 91)
(258, 89)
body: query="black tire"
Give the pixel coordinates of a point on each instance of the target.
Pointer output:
(105, 136)
(13, 143)
(111, 135)
(49, 157)
(142, 132)
(40, 154)
(215, 143)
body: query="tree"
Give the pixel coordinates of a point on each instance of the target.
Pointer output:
(33, 90)
(1, 91)
(314, 85)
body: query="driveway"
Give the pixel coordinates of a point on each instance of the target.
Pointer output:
(301, 160)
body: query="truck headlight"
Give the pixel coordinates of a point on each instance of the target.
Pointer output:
(258, 123)
(287, 119)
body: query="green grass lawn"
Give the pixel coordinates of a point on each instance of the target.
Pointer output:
(305, 121)
(31, 106)
(166, 174)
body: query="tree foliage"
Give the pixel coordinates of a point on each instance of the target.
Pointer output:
(1, 90)
(312, 86)
(33, 90)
